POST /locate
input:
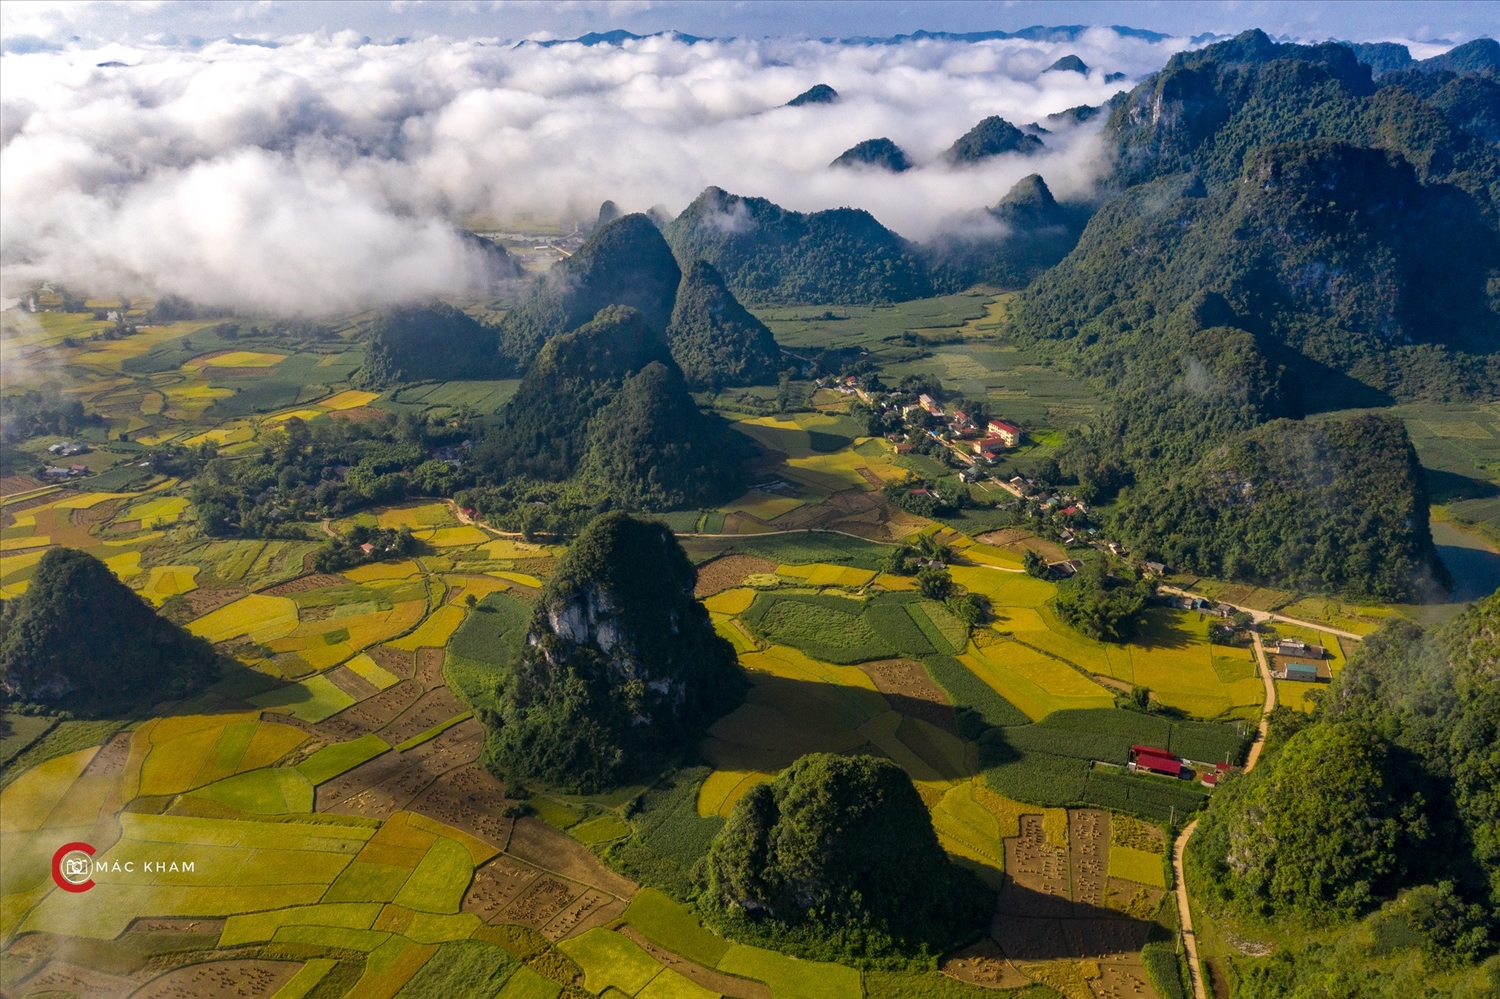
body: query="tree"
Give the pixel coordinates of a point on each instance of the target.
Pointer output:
(837, 859)
(1102, 605)
(934, 584)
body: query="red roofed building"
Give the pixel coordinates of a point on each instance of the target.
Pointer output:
(1008, 432)
(988, 447)
(1158, 761)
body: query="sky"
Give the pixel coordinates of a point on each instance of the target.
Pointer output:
(1373, 20)
(314, 157)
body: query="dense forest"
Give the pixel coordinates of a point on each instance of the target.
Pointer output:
(882, 154)
(1009, 245)
(991, 137)
(1287, 236)
(309, 470)
(1382, 807)
(836, 859)
(608, 403)
(434, 341)
(1335, 505)
(81, 639)
(713, 339)
(624, 262)
(769, 255)
(621, 665)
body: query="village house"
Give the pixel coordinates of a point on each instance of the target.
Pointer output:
(1007, 432)
(930, 404)
(1297, 647)
(988, 447)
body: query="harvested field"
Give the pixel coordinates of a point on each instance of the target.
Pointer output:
(728, 571)
(912, 692)
(316, 581)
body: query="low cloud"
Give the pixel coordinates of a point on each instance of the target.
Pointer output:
(328, 173)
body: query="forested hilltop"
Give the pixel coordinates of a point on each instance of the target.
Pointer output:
(1367, 836)
(1288, 236)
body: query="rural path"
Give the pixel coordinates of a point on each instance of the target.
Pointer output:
(1189, 938)
(1179, 848)
(1260, 615)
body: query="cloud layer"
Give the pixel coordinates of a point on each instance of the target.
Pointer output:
(327, 173)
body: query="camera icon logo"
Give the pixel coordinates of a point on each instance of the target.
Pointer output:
(73, 866)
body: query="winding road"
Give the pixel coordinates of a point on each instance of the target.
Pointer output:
(1179, 848)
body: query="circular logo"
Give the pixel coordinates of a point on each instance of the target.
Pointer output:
(73, 867)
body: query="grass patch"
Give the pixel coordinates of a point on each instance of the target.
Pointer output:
(946, 633)
(462, 968)
(312, 700)
(494, 633)
(790, 977)
(976, 702)
(1140, 866)
(670, 836)
(660, 919)
(269, 791)
(330, 761)
(792, 549)
(610, 960)
(440, 880)
(829, 628)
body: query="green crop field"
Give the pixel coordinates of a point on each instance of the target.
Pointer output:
(270, 791)
(330, 761)
(658, 918)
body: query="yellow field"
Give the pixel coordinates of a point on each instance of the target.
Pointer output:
(435, 631)
(351, 399)
(823, 574)
(1033, 682)
(449, 537)
(370, 670)
(430, 515)
(231, 434)
(260, 617)
(731, 602)
(236, 359)
(518, 577)
(167, 581)
(1005, 589)
(381, 570)
(1136, 865)
(125, 566)
(763, 506)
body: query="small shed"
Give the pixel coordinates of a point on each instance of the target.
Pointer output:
(1305, 672)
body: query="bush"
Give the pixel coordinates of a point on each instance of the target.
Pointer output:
(1164, 970)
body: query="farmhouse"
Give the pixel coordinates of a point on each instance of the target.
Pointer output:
(1007, 432)
(1305, 672)
(930, 404)
(1154, 760)
(988, 447)
(1155, 568)
(1297, 647)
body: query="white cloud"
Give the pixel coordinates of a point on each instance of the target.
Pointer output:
(326, 173)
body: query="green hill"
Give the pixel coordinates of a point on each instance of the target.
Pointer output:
(991, 137)
(1373, 821)
(818, 93)
(420, 342)
(836, 859)
(768, 255)
(1035, 232)
(621, 665)
(608, 401)
(713, 339)
(625, 262)
(881, 153)
(1335, 505)
(80, 637)
(1333, 252)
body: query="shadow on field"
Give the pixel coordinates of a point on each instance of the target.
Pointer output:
(1035, 926)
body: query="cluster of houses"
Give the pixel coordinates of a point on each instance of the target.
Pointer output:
(1154, 760)
(1292, 652)
(66, 449)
